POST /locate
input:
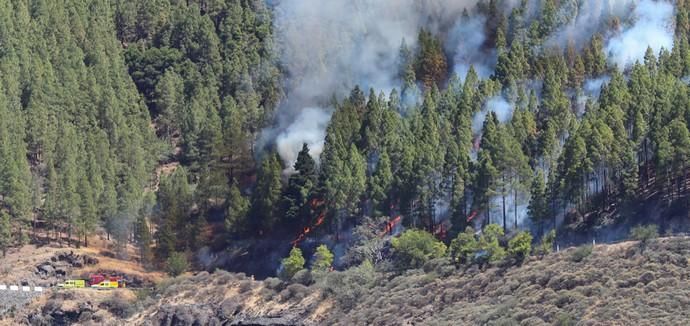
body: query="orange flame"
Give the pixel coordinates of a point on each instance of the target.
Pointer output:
(319, 220)
(441, 232)
(472, 216)
(390, 225)
(316, 202)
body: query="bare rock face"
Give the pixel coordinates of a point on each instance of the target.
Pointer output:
(204, 314)
(55, 312)
(61, 265)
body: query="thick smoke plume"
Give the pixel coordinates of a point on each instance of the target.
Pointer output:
(653, 28)
(327, 47)
(308, 127)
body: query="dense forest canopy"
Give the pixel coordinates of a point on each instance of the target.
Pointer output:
(177, 125)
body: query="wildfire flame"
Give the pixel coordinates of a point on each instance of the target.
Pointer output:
(320, 219)
(315, 203)
(390, 225)
(441, 231)
(472, 216)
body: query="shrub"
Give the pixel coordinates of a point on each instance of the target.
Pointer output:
(274, 283)
(348, 286)
(292, 263)
(547, 241)
(245, 286)
(644, 233)
(564, 319)
(520, 245)
(415, 247)
(489, 246)
(302, 277)
(323, 258)
(177, 264)
(294, 291)
(463, 247)
(118, 306)
(581, 253)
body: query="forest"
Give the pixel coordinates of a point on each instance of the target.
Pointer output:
(177, 125)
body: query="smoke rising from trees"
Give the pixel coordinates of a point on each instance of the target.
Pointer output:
(327, 52)
(653, 28)
(498, 105)
(581, 20)
(328, 47)
(309, 127)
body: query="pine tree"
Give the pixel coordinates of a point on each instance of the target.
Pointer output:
(266, 195)
(380, 184)
(432, 64)
(5, 232)
(323, 259)
(238, 208)
(538, 207)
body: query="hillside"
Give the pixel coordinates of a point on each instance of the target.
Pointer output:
(360, 162)
(619, 284)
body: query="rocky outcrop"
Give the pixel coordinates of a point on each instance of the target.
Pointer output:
(226, 314)
(56, 312)
(61, 265)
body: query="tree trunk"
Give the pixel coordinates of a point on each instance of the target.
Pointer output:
(488, 212)
(515, 205)
(503, 194)
(69, 235)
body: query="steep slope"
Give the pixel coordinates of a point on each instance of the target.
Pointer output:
(621, 284)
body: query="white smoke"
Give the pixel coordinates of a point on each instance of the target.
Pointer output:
(309, 127)
(328, 47)
(582, 19)
(496, 104)
(590, 91)
(653, 28)
(468, 38)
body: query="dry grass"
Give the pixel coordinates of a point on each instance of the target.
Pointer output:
(616, 284)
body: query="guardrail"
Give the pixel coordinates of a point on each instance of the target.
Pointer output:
(16, 288)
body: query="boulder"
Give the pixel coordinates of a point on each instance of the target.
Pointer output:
(46, 269)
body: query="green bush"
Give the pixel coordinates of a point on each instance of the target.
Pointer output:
(463, 247)
(644, 233)
(349, 286)
(415, 247)
(546, 244)
(177, 264)
(489, 243)
(581, 253)
(292, 263)
(520, 245)
(323, 258)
